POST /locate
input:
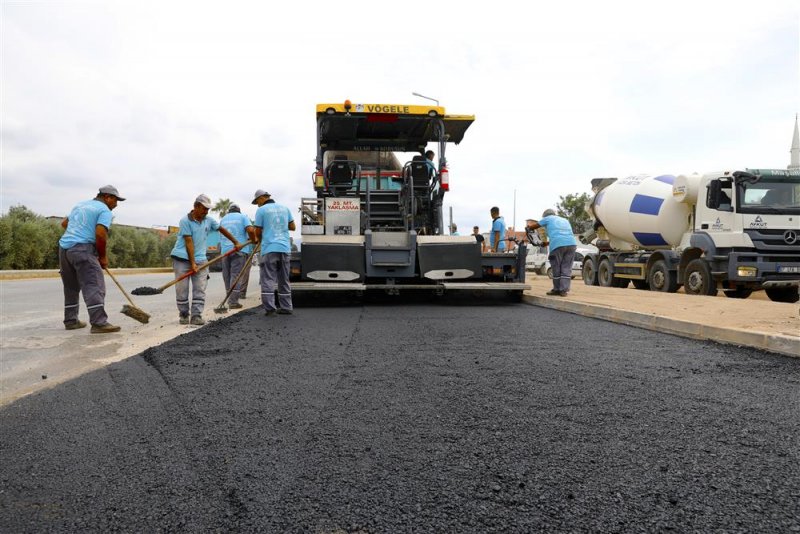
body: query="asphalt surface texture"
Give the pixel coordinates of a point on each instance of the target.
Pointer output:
(376, 417)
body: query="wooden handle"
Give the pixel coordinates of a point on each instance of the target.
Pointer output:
(204, 266)
(119, 286)
(238, 277)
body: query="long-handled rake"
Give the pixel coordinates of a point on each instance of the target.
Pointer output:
(222, 308)
(131, 311)
(146, 290)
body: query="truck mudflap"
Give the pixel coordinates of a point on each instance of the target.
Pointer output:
(444, 286)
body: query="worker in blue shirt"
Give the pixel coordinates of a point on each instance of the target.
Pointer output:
(273, 224)
(497, 237)
(240, 227)
(189, 251)
(82, 258)
(562, 249)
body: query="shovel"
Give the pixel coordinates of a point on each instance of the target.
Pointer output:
(131, 311)
(145, 290)
(222, 308)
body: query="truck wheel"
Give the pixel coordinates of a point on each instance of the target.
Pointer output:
(782, 294)
(698, 279)
(739, 293)
(550, 273)
(604, 276)
(661, 279)
(589, 273)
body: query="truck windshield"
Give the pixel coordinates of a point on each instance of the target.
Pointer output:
(770, 195)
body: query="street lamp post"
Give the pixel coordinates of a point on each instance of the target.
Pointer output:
(427, 98)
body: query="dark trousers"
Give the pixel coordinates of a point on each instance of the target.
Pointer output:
(231, 267)
(561, 263)
(275, 272)
(81, 272)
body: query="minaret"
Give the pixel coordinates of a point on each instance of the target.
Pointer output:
(795, 151)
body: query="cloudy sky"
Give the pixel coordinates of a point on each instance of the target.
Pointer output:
(169, 99)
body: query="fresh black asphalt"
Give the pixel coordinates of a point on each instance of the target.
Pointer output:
(412, 418)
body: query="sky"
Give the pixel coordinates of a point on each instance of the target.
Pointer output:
(167, 100)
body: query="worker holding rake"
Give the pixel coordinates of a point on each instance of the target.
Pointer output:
(189, 251)
(240, 226)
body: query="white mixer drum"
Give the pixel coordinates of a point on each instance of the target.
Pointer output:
(640, 210)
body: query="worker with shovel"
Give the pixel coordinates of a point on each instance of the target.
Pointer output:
(239, 225)
(82, 258)
(189, 251)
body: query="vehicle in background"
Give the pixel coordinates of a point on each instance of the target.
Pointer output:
(735, 231)
(537, 262)
(376, 223)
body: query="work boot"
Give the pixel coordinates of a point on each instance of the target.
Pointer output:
(236, 306)
(283, 311)
(74, 325)
(104, 328)
(270, 313)
(197, 320)
(553, 292)
(562, 293)
(183, 319)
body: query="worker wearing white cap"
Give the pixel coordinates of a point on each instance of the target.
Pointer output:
(82, 258)
(188, 252)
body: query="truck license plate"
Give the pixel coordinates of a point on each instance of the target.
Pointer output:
(788, 269)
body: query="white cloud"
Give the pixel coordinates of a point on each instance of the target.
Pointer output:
(169, 99)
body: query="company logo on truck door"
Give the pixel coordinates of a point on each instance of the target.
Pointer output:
(719, 226)
(758, 222)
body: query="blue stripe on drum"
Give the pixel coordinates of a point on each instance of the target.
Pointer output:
(645, 204)
(650, 240)
(667, 179)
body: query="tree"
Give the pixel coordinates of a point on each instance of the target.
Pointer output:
(222, 206)
(573, 208)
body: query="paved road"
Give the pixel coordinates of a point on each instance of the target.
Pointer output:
(33, 342)
(434, 418)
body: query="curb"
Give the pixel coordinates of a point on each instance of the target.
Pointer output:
(28, 274)
(786, 345)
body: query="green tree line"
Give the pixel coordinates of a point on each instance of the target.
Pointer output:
(30, 241)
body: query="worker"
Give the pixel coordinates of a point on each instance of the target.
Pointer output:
(479, 237)
(82, 258)
(562, 249)
(429, 158)
(497, 237)
(454, 229)
(272, 226)
(188, 252)
(239, 225)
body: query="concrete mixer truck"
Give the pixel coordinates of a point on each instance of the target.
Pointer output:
(734, 231)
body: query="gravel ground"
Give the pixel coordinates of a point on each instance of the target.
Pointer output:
(431, 418)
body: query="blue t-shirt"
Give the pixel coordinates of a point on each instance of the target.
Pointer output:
(274, 221)
(198, 231)
(559, 232)
(498, 225)
(235, 223)
(82, 223)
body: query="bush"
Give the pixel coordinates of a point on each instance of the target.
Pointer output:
(29, 241)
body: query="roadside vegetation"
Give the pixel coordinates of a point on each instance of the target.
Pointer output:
(30, 241)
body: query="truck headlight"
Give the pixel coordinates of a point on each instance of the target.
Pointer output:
(746, 271)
